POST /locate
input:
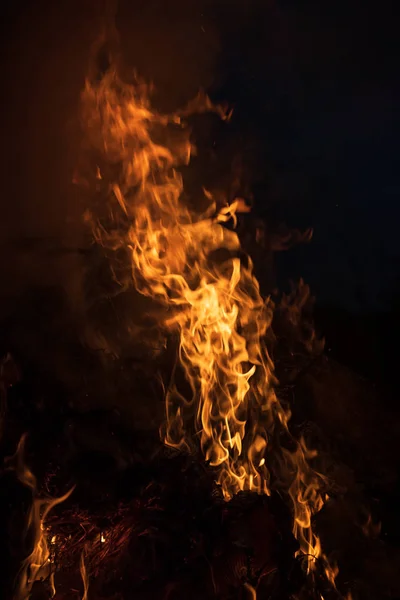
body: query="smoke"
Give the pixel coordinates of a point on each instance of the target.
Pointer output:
(48, 50)
(175, 45)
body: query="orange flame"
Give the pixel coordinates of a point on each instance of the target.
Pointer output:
(84, 575)
(193, 266)
(39, 563)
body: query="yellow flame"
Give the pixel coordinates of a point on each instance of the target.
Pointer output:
(191, 263)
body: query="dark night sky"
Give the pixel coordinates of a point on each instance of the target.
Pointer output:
(322, 80)
(315, 86)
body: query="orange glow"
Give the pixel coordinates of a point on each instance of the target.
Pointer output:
(192, 265)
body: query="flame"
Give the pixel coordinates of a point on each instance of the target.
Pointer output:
(251, 592)
(371, 528)
(39, 563)
(84, 575)
(191, 263)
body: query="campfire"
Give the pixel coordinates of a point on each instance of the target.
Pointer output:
(220, 496)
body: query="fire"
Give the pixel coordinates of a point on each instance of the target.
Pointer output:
(191, 264)
(39, 563)
(84, 575)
